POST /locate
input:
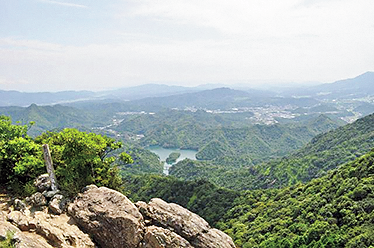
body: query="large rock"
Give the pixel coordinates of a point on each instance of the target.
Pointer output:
(175, 218)
(57, 204)
(190, 226)
(43, 183)
(22, 239)
(2, 216)
(37, 200)
(60, 231)
(19, 219)
(19, 205)
(158, 237)
(214, 238)
(111, 218)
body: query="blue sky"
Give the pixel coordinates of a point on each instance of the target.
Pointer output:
(52, 45)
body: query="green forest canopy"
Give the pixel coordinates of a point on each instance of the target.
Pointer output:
(79, 158)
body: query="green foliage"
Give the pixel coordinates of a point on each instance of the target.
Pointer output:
(173, 157)
(333, 211)
(143, 161)
(20, 157)
(323, 153)
(8, 242)
(201, 197)
(47, 118)
(125, 158)
(82, 158)
(220, 135)
(214, 149)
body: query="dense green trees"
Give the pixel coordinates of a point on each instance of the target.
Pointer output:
(336, 210)
(143, 161)
(323, 153)
(82, 158)
(333, 211)
(79, 158)
(20, 157)
(173, 157)
(221, 135)
(200, 196)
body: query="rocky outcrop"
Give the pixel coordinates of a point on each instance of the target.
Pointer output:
(22, 239)
(57, 204)
(161, 237)
(183, 222)
(174, 217)
(32, 226)
(58, 230)
(114, 221)
(111, 218)
(43, 183)
(37, 200)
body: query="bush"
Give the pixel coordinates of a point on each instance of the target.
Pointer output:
(83, 158)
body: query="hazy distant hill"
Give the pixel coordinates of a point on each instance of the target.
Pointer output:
(16, 98)
(221, 98)
(154, 93)
(360, 86)
(147, 90)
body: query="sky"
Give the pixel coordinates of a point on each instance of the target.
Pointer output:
(54, 45)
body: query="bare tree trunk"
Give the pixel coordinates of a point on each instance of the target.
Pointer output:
(49, 164)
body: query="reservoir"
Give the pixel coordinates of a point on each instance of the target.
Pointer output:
(163, 153)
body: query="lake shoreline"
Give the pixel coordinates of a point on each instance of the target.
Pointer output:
(163, 154)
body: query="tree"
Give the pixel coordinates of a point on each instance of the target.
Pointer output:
(83, 158)
(20, 157)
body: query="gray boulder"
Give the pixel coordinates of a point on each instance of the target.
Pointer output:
(156, 237)
(37, 200)
(60, 231)
(22, 239)
(111, 218)
(43, 183)
(57, 204)
(188, 225)
(19, 205)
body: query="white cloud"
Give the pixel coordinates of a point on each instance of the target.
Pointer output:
(289, 40)
(8, 84)
(15, 43)
(64, 4)
(257, 18)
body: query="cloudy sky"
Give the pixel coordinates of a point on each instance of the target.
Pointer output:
(52, 45)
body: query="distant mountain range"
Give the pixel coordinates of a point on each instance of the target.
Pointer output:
(359, 86)
(50, 117)
(23, 99)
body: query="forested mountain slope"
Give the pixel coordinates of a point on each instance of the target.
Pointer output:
(324, 152)
(50, 117)
(335, 210)
(222, 135)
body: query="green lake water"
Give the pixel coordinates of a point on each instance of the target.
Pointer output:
(163, 153)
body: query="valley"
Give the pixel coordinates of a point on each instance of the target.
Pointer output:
(290, 168)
